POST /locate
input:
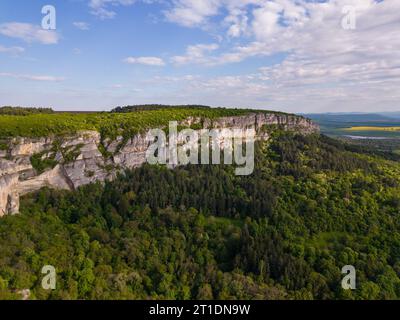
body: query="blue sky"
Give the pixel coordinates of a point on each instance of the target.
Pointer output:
(290, 55)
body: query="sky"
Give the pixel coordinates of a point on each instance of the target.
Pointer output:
(298, 56)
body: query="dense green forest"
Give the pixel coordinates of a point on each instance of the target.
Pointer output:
(312, 206)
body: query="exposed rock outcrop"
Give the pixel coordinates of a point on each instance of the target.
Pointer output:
(83, 158)
(9, 198)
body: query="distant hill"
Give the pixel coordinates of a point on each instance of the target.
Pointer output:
(23, 111)
(338, 124)
(144, 107)
(392, 115)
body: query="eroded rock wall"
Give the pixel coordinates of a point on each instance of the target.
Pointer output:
(83, 158)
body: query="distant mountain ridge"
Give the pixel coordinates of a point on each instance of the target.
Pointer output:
(353, 117)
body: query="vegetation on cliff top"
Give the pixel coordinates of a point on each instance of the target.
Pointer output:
(109, 124)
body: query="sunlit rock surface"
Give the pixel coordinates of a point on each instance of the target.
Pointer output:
(83, 158)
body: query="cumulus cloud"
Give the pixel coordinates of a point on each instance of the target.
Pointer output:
(29, 33)
(319, 51)
(150, 61)
(192, 12)
(195, 54)
(320, 64)
(323, 67)
(237, 23)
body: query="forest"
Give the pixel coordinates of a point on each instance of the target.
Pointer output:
(312, 206)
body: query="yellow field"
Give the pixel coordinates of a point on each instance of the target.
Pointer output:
(373, 129)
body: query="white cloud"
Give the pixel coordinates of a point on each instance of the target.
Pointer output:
(324, 67)
(192, 12)
(266, 21)
(237, 23)
(310, 34)
(321, 65)
(285, 92)
(150, 61)
(12, 50)
(81, 25)
(29, 33)
(171, 79)
(100, 8)
(32, 77)
(195, 54)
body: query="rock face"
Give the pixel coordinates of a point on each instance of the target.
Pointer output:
(83, 158)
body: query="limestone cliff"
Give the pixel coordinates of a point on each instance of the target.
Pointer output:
(83, 158)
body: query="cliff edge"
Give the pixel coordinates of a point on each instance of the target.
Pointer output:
(71, 161)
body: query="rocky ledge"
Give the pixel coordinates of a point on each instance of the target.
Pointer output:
(72, 161)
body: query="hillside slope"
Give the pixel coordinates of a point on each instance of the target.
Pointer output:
(285, 232)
